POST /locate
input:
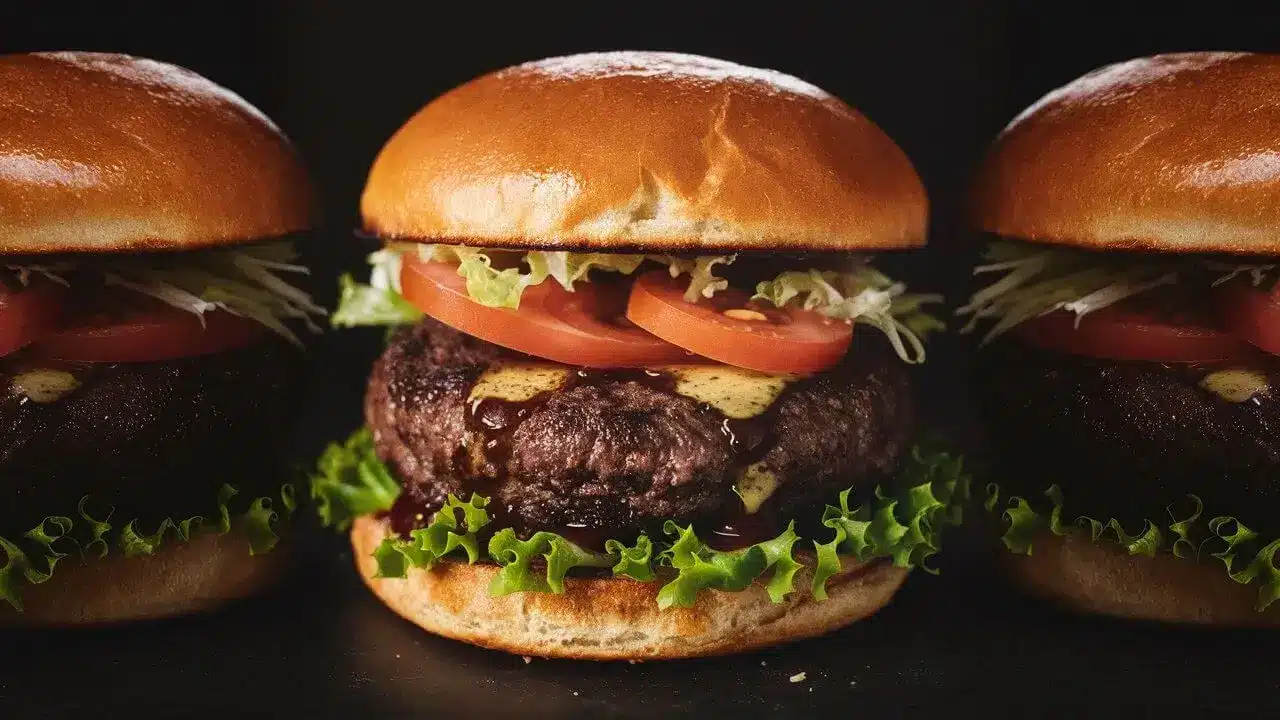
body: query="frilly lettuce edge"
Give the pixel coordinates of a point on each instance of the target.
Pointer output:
(32, 557)
(904, 525)
(1187, 533)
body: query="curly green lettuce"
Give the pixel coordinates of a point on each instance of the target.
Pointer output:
(31, 557)
(245, 281)
(904, 525)
(1186, 533)
(1039, 279)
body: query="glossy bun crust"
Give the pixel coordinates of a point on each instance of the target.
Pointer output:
(616, 619)
(1172, 153)
(630, 151)
(1078, 574)
(103, 153)
(181, 578)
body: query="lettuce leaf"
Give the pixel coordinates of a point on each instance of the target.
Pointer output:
(446, 533)
(351, 481)
(31, 557)
(1185, 532)
(904, 524)
(244, 281)
(1039, 279)
(360, 304)
(863, 296)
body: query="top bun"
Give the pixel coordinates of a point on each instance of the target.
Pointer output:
(1172, 153)
(644, 151)
(108, 153)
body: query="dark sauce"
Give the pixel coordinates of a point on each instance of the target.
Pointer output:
(495, 421)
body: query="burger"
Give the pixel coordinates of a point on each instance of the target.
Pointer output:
(150, 339)
(1128, 366)
(644, 395)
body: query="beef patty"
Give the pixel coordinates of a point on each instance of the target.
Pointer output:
(615, 451)
(1126, 439)
(150, 439)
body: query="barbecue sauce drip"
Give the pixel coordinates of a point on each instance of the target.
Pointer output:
(494, 421)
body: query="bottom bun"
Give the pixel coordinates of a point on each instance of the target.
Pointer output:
(616, 618)
(181, 578)
(1100, 578)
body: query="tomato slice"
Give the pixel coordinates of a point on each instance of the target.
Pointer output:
(1157, 328)
(585, 327)
(1252, 314)
(776, 340)
(28, 314)
(129, 327)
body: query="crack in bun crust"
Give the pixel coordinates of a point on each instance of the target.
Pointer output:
(616, 619)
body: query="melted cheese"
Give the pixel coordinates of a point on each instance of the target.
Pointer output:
(1237, 385)
(518, 382)
(756, 486)
(45, 386)
(736, 393)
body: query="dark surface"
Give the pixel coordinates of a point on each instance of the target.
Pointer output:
(1124, 439)
(614, 452)
(324, 647)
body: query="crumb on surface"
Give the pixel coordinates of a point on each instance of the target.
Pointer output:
(798, 677)
(527, 659)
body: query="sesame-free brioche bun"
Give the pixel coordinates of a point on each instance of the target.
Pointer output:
(1172, 153)
(616, 619)
(108, 153)
(1078, 574)
(644, 151)
(180, 578)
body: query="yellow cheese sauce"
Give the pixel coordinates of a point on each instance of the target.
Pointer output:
(44, 386)
(1237, 385)
(738, 394)
(518, 382)
(757, 485)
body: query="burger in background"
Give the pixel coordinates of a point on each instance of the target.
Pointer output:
(149, 339)
(645, 396)
(1129, 385)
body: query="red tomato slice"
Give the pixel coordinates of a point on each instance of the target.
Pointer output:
(585, 327)
(779, 340)
(1157, 328)
(137, 328)
(1252, 314)
(28, 314)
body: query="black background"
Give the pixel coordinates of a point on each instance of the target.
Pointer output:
(940, 77)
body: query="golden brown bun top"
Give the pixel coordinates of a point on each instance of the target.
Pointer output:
(644, 151)
(1174, 153)
(102, 153)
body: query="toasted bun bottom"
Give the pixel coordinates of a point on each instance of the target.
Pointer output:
(612, 618)
(1076, 573)
(179, 579)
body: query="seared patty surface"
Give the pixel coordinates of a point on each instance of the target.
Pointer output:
(150, 439)
(1126, 439)
(613, 452)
